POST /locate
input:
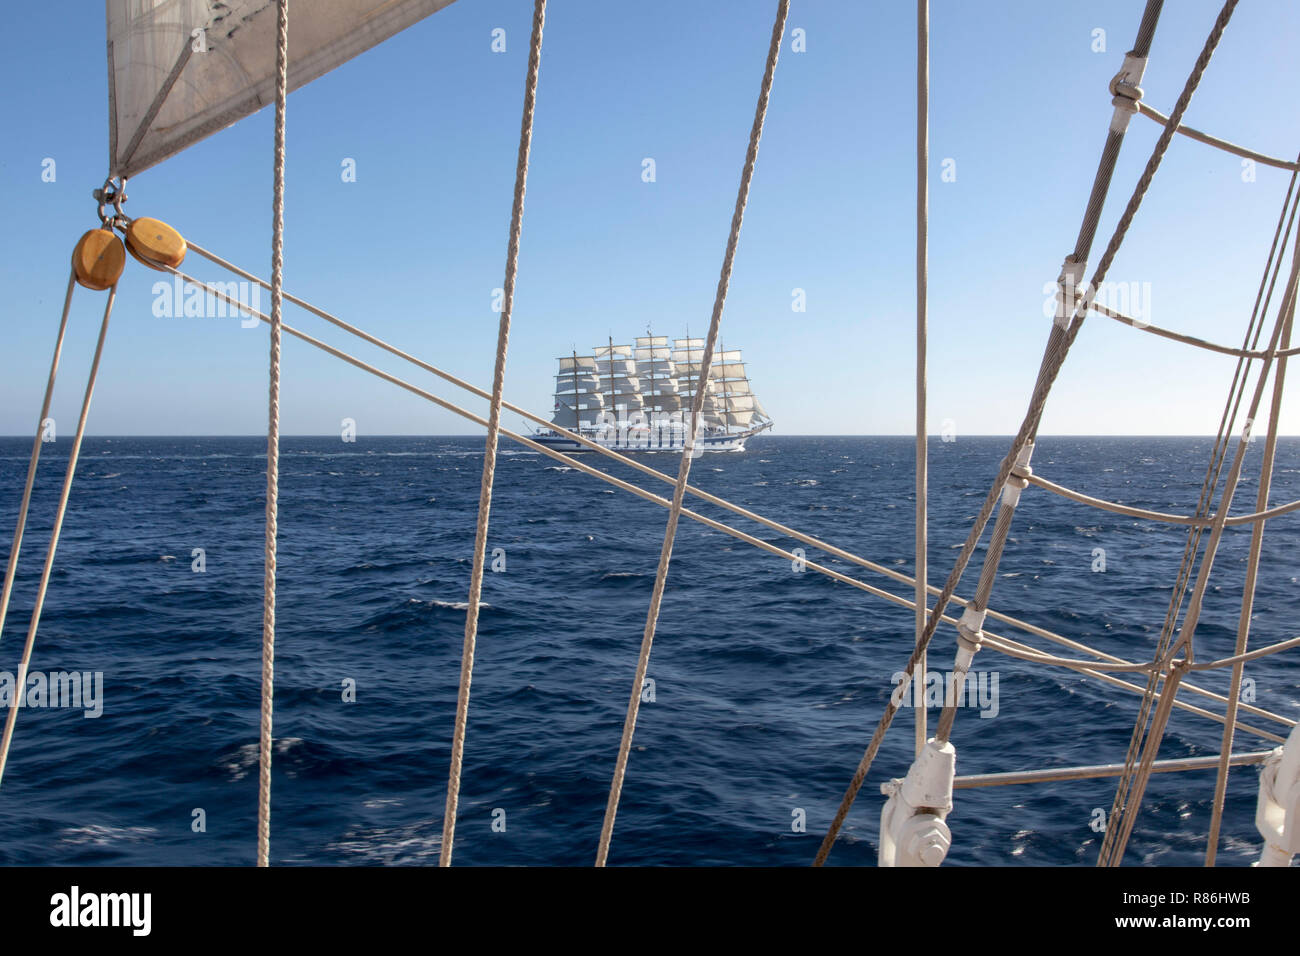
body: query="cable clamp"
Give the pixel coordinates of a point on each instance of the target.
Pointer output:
(1125, 91)
(1018, 480)
(1068, 284)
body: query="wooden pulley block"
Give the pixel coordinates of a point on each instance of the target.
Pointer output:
(98, 259)
(155, 243)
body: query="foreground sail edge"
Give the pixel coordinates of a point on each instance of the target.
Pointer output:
(199, 66)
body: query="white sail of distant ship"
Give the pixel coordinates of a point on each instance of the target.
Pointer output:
(639, 398)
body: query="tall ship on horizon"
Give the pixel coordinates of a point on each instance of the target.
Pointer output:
(638, 398)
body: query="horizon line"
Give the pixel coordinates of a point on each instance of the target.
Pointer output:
(909, 435)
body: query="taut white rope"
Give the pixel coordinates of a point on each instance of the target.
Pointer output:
(12, 567)
(20, 681)
(684, 469)
(493, 430)
(849, 556)
(1217, 143)
(272, 444)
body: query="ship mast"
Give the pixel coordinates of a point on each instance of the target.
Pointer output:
(655, 404)
(577, 416)
(690, 381)
(613, 409)
(726, 392)
(654, 383)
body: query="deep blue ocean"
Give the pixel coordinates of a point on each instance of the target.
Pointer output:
(767, 682)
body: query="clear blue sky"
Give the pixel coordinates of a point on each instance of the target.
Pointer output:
(413, 249)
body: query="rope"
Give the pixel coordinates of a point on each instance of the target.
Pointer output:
(691, 489)
(811, 540)
(11, 568)
(272, 443)
(1083, 246)
(1146, 514)
(983, 591)
(1281, 333)
(742, 536)
(1012, 649)
(1186, 339)
(679, 491)
(1252, 656)
(922, 321)
(1123, 827)
(1217, 143)
(1236, 391)
(1059, 342)
(493, 430)
(1191, 548)
(1015, 649)
(20, 681)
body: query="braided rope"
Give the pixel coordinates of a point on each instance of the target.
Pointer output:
(684, 469)
(493, 431)
(1058, 345)
(20, 681)
(272, 444)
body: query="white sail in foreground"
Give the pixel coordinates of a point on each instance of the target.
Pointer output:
(180, 70)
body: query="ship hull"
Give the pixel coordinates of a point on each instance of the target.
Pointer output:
(648, 444)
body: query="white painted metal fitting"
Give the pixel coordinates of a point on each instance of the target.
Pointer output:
(1126, 91)
(1277, 811)
(970, 631)
(913, 831)
(1018, 480)
(1067, 290)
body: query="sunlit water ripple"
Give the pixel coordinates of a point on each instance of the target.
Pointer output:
(767, 682)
